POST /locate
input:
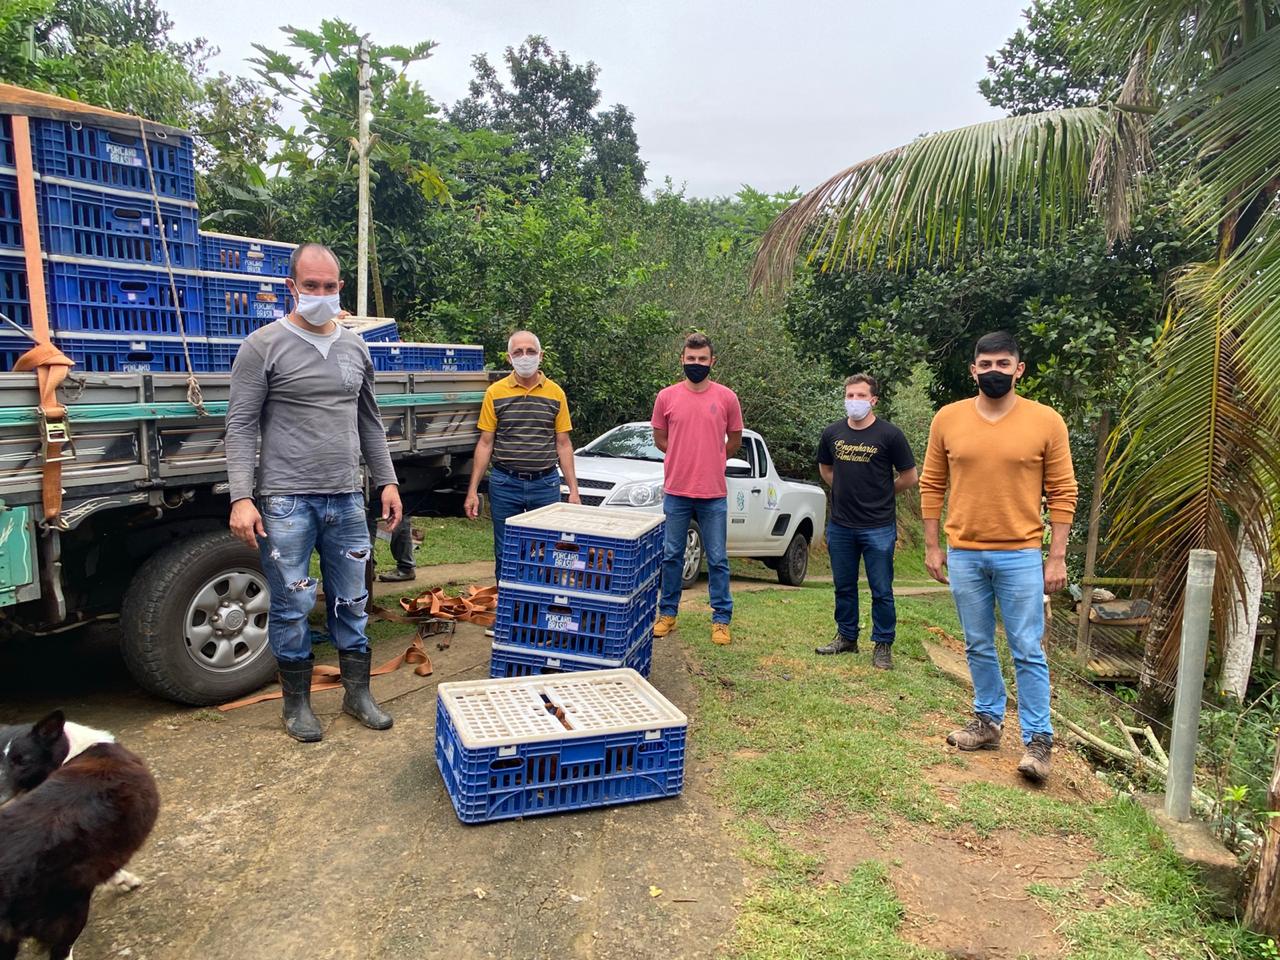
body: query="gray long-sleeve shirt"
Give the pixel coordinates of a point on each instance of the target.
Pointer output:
(316, 416)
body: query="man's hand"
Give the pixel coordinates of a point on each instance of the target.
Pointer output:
(246, 523)
(935, 561)
(391, 508)
(1055, 574)
(471, 506)
(574, 498)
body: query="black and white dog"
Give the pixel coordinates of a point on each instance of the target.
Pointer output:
(79, 807)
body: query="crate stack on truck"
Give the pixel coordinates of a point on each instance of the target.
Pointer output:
(578, 590)
(129, 272)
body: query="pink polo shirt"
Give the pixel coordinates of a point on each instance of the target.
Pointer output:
(696, 425)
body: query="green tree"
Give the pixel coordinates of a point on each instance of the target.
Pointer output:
(1196, 455)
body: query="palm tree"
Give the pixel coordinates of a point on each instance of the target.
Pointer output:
(1194, 460)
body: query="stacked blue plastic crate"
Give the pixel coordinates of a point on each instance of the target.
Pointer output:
(578, 590)
(114, 301)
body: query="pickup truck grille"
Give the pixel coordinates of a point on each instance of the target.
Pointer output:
(588, 500)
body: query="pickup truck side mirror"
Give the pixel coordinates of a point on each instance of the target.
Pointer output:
(737, 468)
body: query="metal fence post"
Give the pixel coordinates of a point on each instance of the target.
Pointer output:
(1186, 704)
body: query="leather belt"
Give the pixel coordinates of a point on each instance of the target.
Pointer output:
(525, 474)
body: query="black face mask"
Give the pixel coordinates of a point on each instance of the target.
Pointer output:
(995, 384)
(697, 372)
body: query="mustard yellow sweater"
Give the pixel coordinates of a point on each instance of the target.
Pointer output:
(997, 473)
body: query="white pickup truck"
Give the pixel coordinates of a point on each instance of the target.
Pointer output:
(770, 519)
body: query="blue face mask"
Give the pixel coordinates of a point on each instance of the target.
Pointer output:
(857, 409)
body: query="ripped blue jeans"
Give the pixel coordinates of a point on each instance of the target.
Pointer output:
(335, 525)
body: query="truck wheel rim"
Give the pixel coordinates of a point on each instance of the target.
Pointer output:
(692, 554)
(226, 623)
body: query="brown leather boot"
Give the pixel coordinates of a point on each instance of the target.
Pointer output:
(981, 733)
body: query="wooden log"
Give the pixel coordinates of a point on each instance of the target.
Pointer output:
(1262, 909)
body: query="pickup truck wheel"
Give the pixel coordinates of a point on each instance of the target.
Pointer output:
(693, 553)
(794, 564)
(194, 621)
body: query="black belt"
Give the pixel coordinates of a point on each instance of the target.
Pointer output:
(525, 474)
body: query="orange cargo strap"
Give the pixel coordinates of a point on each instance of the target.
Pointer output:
(48, 362)
(328, 677)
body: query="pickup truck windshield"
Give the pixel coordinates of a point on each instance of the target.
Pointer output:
(631, 442)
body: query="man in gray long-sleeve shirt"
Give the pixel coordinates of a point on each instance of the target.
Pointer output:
(304, 384)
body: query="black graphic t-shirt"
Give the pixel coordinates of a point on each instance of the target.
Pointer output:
(863, 462)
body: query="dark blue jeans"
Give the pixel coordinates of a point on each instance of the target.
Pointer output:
(874, 547)
(713, 519)
(510, 496)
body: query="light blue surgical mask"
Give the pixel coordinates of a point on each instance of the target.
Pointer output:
(857, 409)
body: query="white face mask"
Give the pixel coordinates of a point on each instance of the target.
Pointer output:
(526, 366)
(857, 409)
(318, 311)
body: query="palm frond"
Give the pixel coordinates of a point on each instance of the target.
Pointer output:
(1228, 132)
(1124, 154)
(934, 197)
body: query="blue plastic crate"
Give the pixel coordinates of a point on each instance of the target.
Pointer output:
(237, 306)
(14, 299)
(426, 356)
(227, 254)
(105, 299)
(384, 332)
(92, 154)
(496, 770)
(115, 355)
(84, 222)
(222, 353)
(506, 661)
(577, 624)
(10, 217)
(572, 547)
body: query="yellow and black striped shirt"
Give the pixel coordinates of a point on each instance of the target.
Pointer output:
(524, 422)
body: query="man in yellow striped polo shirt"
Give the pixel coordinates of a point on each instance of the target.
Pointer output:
(524, 430)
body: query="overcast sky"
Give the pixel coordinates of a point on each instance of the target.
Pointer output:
(765, 92)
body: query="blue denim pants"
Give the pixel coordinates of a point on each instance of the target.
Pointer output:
(510, 496)
(874, 547)
(333, 524)
(713, 520)
(1015, 580)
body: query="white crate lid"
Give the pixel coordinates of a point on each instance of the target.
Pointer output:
(494, 713)
(596, 521)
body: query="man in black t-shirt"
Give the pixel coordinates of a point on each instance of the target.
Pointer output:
(857, 457)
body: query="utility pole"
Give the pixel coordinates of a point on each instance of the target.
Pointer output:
(1196, 610)
(362, 225)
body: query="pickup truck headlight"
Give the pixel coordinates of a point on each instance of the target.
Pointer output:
(643, 494)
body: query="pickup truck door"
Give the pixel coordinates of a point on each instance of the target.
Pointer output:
(753, 502)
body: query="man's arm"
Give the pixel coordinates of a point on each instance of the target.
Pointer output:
(933, 489)
(732, 443)
(906, 480)
(564, 450)
(479, 464)
(1055, 567)
(1060, 492)
(373, 447)
(243, 426)
(660, 439)
(828, 473)
(935, 558)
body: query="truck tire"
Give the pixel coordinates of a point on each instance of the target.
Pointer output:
(794, 564)
(694, 554)
(169, 639)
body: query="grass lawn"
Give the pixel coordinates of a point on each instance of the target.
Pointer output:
(804, 747)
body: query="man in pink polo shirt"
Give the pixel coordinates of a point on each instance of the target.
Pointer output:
(698, 424)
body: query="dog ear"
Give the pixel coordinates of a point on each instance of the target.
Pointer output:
(49, 728)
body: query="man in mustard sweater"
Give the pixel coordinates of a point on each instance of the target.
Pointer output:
(998, 453)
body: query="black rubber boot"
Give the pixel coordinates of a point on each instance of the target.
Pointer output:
(299, 722)
(841, 644)
(358, 701)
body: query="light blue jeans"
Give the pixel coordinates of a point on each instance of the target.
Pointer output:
(335, 525)
(1015, 579)
(509, 497)
(713, 520)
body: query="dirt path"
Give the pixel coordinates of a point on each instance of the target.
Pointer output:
(350, 848)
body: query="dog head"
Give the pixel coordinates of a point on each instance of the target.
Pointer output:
(31, 755)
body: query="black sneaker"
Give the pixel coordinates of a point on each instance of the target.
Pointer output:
(882, 656)
(397, 576)
(840, 644)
